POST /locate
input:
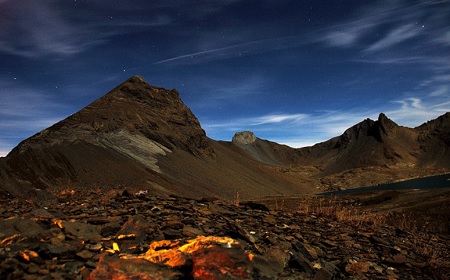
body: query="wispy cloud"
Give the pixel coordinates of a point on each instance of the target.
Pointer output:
(390, 23)
(24, 112)
(396, 36)
(35, 29)
(441, 90)
(444, 38)
(18, 101)
(289, 128)
(219, 89)
(277, 118)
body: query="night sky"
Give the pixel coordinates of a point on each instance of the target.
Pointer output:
(295, 72)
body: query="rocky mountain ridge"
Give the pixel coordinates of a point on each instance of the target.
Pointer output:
(141, 136)
(370, 149)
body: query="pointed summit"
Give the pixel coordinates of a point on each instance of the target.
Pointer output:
(137, 107)
(135, 124)
(385, 127)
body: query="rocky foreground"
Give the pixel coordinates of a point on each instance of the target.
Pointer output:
(137, 235)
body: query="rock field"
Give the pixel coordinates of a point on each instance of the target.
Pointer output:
(132, 235)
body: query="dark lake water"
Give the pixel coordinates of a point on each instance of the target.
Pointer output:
(433, 182)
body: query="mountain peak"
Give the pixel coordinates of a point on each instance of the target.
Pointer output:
(244, 138)
(139, 89)
(385, 124)
(137, 108)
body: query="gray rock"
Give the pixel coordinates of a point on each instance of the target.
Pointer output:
(244, 138)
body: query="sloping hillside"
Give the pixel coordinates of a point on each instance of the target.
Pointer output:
(368, 153)
(136, 136)
(144, 137)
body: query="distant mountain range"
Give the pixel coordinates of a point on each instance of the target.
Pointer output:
(142, 137)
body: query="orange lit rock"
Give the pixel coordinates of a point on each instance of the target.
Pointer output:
(132, 233)
(174, 253)
(30, 256)
(208, 257)
(221, 263)
(111, 267)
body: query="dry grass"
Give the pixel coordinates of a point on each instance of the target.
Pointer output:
(435, 256)
(423, 244)
(340, 210)
(236, 199)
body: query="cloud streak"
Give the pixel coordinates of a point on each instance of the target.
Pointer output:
(386, 25)
(396, 36)
(239, 50)
(24, 112)
(36, 29)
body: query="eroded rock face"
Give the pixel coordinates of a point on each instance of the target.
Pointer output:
(244, 138)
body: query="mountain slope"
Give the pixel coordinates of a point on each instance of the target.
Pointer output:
(110, 143)
(136, 136)
(368, 143)
(434, 141)
(368, 153)
(145, 138)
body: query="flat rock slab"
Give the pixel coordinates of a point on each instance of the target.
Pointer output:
(22, 226)
(83, 231)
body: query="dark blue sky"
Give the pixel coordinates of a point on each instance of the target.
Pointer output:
(295, 72)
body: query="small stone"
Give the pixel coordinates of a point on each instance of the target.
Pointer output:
(190, 231)
(42, 213)
(270, 219)
(136, 225)
(82, 231)
(64, 249)
(357, 268)
(73, 267)
(312, 252)
(172, 225)
(27, 228)
(323, 274)
(94, 247)
(85, 254)
(110, 229)
(298, 236)
(330, 243)
(300, 262)
(172, 234)
(43, 271)
(397, 259)
(278, 257)
(244, 234)
(32, 268)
